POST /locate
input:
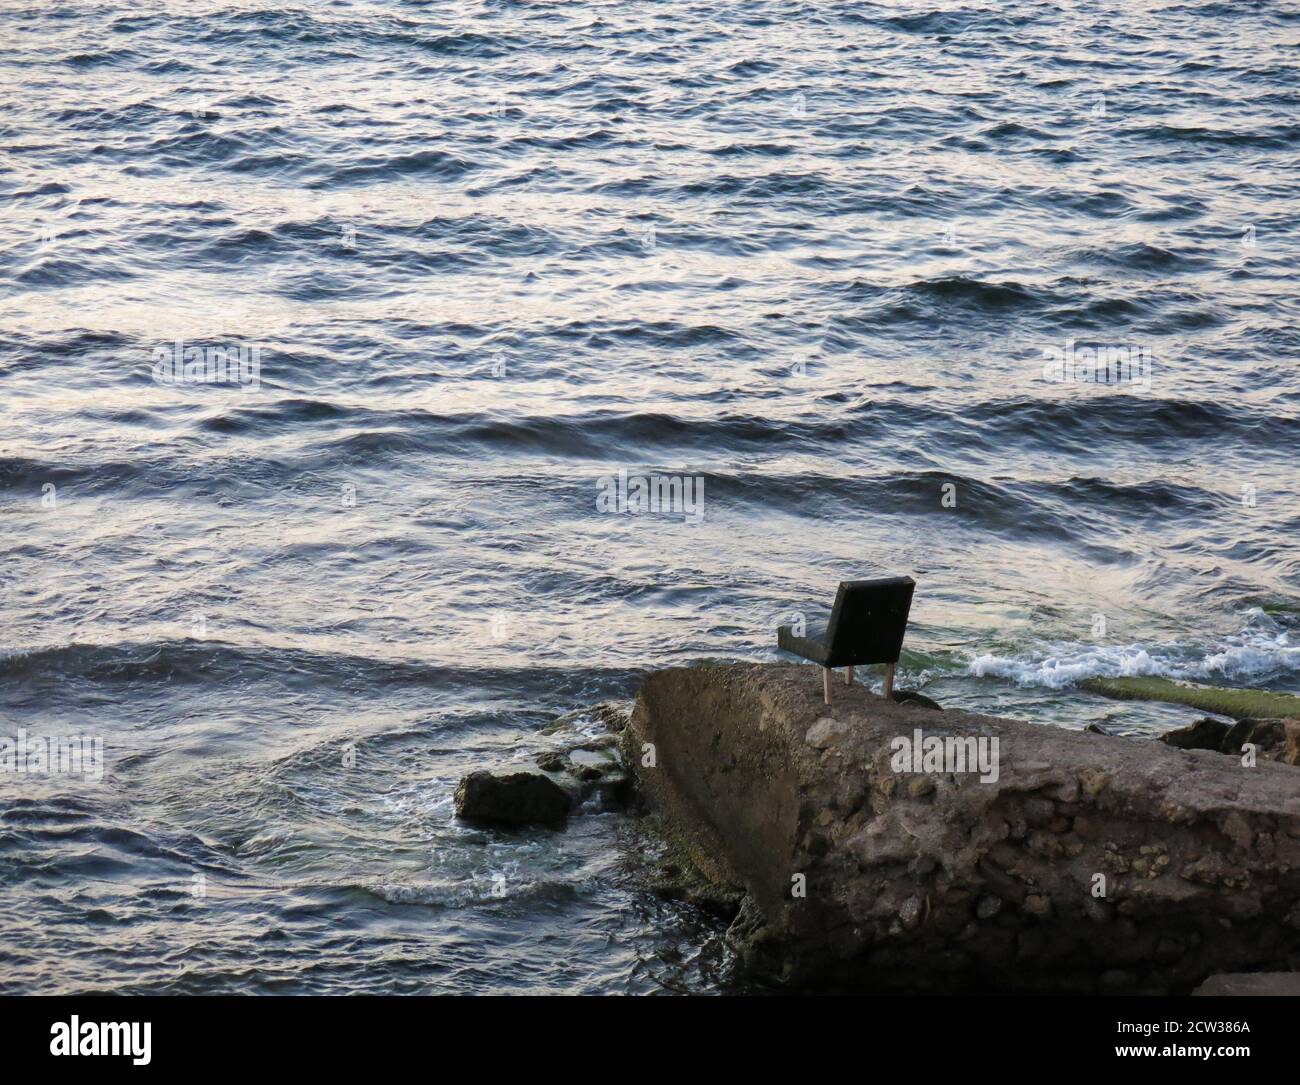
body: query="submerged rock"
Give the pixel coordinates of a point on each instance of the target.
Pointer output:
(580, 770)
(672, 866)
(609, 716)
(910, 696)
(1038, 859)
(516, 798)
(593, 769)
(1226, 701)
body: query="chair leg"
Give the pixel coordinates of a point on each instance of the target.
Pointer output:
(889, 680)
(826, 684)
(848, 676)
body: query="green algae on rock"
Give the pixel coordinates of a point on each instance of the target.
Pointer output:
(1223, 700)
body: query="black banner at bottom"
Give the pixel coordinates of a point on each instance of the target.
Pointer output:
(150, 1034)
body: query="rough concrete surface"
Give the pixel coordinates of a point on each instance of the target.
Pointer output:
(1091, 863)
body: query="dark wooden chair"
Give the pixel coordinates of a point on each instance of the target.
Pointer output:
(866, 626)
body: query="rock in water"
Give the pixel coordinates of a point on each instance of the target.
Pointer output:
(1237, 703)
(1206, 733)
(517, 798)
(910, 696)
(1060, 864)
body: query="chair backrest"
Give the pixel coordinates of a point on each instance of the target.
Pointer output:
(868, 621)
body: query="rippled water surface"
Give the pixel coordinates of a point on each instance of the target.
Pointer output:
(813, 255)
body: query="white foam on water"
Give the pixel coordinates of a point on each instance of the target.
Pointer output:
(1260, 651)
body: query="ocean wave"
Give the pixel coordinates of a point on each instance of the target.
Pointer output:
(430, 163)
(486, 890)
(213, 661)
(1141, 256)
(946, 23)
(1260, 654)
(978, 293)
(916, 199)
(610, 431)
(326, 434)
(1274, 137)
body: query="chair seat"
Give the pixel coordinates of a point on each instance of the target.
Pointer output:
(813, 647)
